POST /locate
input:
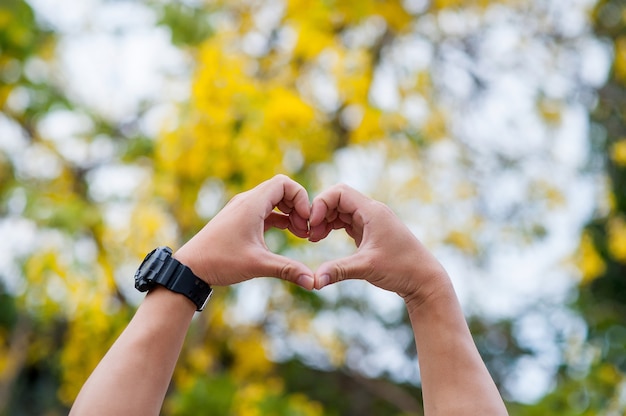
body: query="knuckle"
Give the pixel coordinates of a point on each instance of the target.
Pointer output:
(342, 273)
(381, 208)
(281, 177)
(285, 272)
(343, 187)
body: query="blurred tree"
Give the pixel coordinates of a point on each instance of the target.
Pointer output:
(303, 88)
(28, 381)
(592, 378)
(288, 87)
(58, 294)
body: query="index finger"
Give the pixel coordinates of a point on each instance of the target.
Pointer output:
(340, 201)
(284, 191)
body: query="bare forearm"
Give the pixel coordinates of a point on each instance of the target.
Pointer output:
(134, 375)
(455, 381)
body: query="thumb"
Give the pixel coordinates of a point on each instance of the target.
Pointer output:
(354, 266)
(275, 265)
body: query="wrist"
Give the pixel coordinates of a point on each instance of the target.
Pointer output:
(161, 268)
(437, 288)
(192, 259)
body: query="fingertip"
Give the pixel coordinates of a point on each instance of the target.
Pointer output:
(322, 281)
(301, 233)
(303, 206)
(317, 232)
(317, 213)
(300, 198)
(299, 222)
(306, 282)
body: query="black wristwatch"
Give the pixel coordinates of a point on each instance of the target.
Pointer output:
(159, 267)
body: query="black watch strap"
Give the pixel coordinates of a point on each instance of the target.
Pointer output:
(161, 268)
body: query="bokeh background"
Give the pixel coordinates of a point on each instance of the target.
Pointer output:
(495, 129)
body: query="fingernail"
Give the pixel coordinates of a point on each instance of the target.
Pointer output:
(305, 281)
(323, 280)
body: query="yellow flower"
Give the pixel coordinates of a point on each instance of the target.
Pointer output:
(618, 152)
(589, 262)
(369, 129)
(620, 59)
(436, 127)
(462, 241)
(617, 239)
(249, 356)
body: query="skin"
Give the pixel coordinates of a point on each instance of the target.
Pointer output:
(455, 380)
(228, 250)
(231, 249)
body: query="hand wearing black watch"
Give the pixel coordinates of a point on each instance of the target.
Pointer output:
(159, 267)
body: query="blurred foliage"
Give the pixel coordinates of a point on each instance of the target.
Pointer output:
(189, 24)
(288, 88)
(592, 379)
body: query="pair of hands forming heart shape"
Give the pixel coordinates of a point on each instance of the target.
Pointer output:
(231, 247)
